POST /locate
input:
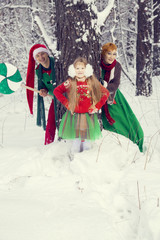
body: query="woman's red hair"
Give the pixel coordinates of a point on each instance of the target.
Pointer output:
(107, 48)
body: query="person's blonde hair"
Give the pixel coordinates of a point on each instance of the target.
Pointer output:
(107, 47)
(92, 82)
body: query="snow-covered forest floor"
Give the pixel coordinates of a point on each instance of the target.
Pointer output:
(107, 193)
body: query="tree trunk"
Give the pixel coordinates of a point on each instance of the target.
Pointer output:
(76, 36)
(130, 47)
(144, 49)
(156, 45)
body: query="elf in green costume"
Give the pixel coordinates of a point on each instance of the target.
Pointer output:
(117, 116)
(45, 72)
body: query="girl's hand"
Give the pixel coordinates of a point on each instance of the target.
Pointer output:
(43, 92)
(92, 110)
(72, 112)
(67, 106)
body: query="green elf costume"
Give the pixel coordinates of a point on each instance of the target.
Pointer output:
(46, 80)
(117, 116)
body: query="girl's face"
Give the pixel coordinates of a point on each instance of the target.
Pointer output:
(80, 69)
(110, 56)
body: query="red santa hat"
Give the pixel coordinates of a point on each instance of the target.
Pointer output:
(35, 49)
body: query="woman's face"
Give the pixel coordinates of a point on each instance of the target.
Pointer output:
(110, 56)
(80, 69)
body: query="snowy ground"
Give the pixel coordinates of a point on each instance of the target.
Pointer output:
(107, 193)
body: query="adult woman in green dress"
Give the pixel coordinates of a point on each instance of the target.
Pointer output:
(117, 116)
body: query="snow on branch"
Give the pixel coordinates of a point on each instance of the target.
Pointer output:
(156, 6)
(33, 9)
(85, 1)
(47, 39)
(156, 44)
(151, 19)
(101, 16)
(18, 6)
(112, 33)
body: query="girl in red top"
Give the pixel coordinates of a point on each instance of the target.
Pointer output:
(85, 96)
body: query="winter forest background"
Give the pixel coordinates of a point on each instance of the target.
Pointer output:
(79, 27)
(111, 191)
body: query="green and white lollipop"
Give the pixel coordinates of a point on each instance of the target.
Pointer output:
(10, 78)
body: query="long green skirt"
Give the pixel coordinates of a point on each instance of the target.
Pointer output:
(79, 125)
(126, 122)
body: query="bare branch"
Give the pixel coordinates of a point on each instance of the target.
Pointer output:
(126, 74)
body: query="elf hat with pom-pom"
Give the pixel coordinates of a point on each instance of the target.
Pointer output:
(88, 71)
(35, 49)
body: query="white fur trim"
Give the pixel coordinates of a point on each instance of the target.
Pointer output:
(88, 71)
(38, 50)
(71, 71)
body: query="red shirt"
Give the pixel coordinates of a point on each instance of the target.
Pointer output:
(85, 99)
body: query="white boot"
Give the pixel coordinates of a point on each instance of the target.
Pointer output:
(76, 144)
(75, 148)
(87, 145)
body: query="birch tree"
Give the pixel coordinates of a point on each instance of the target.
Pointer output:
(156, 43)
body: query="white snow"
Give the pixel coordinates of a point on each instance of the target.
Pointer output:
(85, 36)
(109, 192)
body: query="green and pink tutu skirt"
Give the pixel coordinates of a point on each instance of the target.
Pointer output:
(83, 126)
